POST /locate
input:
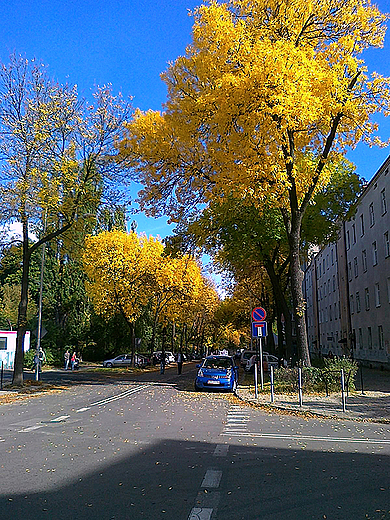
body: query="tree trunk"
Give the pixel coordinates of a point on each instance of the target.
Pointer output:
(281, 302)
(297, 290)
(22, 311)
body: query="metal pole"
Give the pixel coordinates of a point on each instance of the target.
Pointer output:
(261, 363)
(39, 331)
(2, 373)
(256, 383)
(361, 378)
(342, 390)
(272, 383)
(300, 385)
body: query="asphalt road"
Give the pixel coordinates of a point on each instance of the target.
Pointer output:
(154, 449)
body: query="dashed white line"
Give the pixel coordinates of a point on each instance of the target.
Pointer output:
(60, 419)
(212, 478)
(200, 513)
(83, 409)
(31, 428)
(221, 450)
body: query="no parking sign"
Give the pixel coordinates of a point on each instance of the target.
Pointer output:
(258, 314)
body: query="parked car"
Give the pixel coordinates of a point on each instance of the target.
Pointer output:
(169, 357)
(245, 355)
(268, 361)
(217, 372)
(124, 360)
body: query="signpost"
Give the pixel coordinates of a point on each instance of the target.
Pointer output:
(259, 331)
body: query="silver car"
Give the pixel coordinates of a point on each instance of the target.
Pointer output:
(124, 360)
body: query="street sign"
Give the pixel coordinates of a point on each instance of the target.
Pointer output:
(259, 329)
(258, 314)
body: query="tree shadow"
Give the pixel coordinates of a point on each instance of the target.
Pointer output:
(163, 480)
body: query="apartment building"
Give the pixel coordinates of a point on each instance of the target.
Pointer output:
(347, 284)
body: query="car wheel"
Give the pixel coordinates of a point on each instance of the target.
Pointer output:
(108, 365)
(197, 389)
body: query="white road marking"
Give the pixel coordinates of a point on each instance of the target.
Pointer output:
(200, 513)
(31, 428)
(306, 437)
(221, 450)
(83, 409)
(212, 478)
(2, 440)
(60, 419)
(120, 396)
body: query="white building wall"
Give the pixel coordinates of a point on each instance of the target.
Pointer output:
(350, 281)
(8, 347)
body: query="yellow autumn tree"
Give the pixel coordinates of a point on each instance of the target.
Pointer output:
(127, 273)
(121, 269)
(57, 155)
(267, 96)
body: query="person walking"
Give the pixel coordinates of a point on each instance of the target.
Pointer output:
(179, 362)
(67, 359)
(73, 360)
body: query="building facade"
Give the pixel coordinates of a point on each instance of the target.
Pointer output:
(347, 283)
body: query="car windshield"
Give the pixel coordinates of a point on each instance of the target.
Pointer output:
(217, 363)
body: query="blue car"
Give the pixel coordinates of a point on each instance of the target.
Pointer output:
(217, 372)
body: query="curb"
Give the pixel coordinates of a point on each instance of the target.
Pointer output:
(340, 416)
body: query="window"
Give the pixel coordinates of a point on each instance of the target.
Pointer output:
(332, 256)
(387, 243)
(380, 337)
(351, 304)
(323, 266)
(3, 343)
(362, 224)
(348, 240)
(383, 201)
(369, 338)
(330, 313)
(349, 271)
(358, 307)
(334, 283)
(367, 298)
(329, 286)
(355, 267)
(364, 260)
(374, 253)
(353, 234)
(360, 338)
(377, 295)
(372, 214)
(335, 311)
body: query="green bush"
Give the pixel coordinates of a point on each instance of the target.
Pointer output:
(29, 358)
(316, 379)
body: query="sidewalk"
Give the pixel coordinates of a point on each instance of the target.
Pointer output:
(373, 405)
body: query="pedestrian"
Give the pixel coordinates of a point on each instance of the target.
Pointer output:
(66, 359)
(179, 362)
(73, 360)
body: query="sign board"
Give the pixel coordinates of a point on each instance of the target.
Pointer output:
(259, 329)
(258, 314)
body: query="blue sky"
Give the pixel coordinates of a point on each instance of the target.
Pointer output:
(128, 43)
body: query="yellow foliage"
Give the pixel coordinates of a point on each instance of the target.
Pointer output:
(267, 95)
(126, 272)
